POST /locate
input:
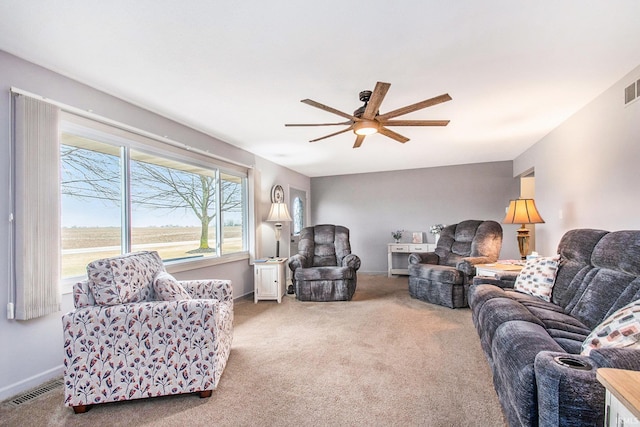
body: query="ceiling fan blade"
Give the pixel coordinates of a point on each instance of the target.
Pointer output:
(393, 135)
(327, 108)
(318, 124)
(333, 134)
(375, 101)
(415, 122)
(415, 107)
(359, 140)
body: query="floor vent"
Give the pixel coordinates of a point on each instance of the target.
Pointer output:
(35, 392)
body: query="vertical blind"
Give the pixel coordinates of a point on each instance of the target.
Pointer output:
(36, 209)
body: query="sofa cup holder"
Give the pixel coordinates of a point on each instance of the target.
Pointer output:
(572, 362)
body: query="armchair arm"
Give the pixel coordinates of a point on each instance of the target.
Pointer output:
(467, 264)
(351, 261)
(220, 290)
(424, 258)
(298, 261)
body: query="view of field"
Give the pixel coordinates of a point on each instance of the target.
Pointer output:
(81, 245)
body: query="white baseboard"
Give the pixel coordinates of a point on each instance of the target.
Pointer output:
(31, 382)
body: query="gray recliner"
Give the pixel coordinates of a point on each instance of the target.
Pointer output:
(442, 277)
(324, 269)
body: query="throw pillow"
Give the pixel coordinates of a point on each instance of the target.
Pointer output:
(167, 288)
(621, 329)
(537, 277)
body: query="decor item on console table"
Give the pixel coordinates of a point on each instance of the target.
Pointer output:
(393, 249)
(397, 235)
(436, 229)
(544, 350)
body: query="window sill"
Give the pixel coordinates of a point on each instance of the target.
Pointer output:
(171, 267)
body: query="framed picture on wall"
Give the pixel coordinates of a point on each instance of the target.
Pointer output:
(417, 237)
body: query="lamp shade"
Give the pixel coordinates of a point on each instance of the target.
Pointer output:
(279, 213)
(522, 211)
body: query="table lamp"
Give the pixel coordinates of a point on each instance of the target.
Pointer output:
(522, 211)
(278, 213)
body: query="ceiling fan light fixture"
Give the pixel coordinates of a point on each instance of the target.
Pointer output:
(365, 127)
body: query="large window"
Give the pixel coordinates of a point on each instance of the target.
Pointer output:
(118, 197)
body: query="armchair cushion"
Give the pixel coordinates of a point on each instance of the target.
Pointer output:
(167, 288)
(440, 273)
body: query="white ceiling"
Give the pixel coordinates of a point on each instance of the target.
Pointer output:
(238, 70)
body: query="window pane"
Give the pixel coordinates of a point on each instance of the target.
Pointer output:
(232, 209)
(90, 198)
(173, 207)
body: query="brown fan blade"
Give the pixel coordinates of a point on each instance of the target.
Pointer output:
(393, 135)
(415, 122)
(359, 140)
(333, 134)
(327, 108)
(415, 107)
(376, 100)
(318, 124)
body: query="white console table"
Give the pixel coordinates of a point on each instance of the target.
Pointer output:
(397, 262)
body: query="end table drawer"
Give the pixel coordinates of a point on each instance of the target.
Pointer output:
(400, 248)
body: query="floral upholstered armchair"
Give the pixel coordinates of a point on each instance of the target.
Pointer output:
(137, 332)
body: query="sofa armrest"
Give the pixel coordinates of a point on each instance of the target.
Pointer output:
(568, 395)
(467, 264)
(424, 258)
(220, 290)
(351, 261)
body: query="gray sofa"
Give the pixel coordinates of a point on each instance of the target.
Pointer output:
(533, 346)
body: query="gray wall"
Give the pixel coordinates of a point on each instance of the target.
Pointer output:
(588, 169)
(31, 351)
(372, 205)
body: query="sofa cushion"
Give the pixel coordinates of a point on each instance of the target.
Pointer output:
(123, 279)
(621, 329)
(538, 277)
(167, 288)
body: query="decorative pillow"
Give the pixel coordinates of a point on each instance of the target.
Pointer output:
(621, 329)
(167, 288)
(537, 277)
(124, 278)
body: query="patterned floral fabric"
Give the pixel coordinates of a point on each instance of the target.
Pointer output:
(147, 348)
(537, 277)
(621, 329)
(167, 288)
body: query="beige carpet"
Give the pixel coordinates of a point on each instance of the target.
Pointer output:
(382, 359)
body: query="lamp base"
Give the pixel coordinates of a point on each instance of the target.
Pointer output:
(523, 241)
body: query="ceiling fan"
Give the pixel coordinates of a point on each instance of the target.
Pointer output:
(367, 120)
